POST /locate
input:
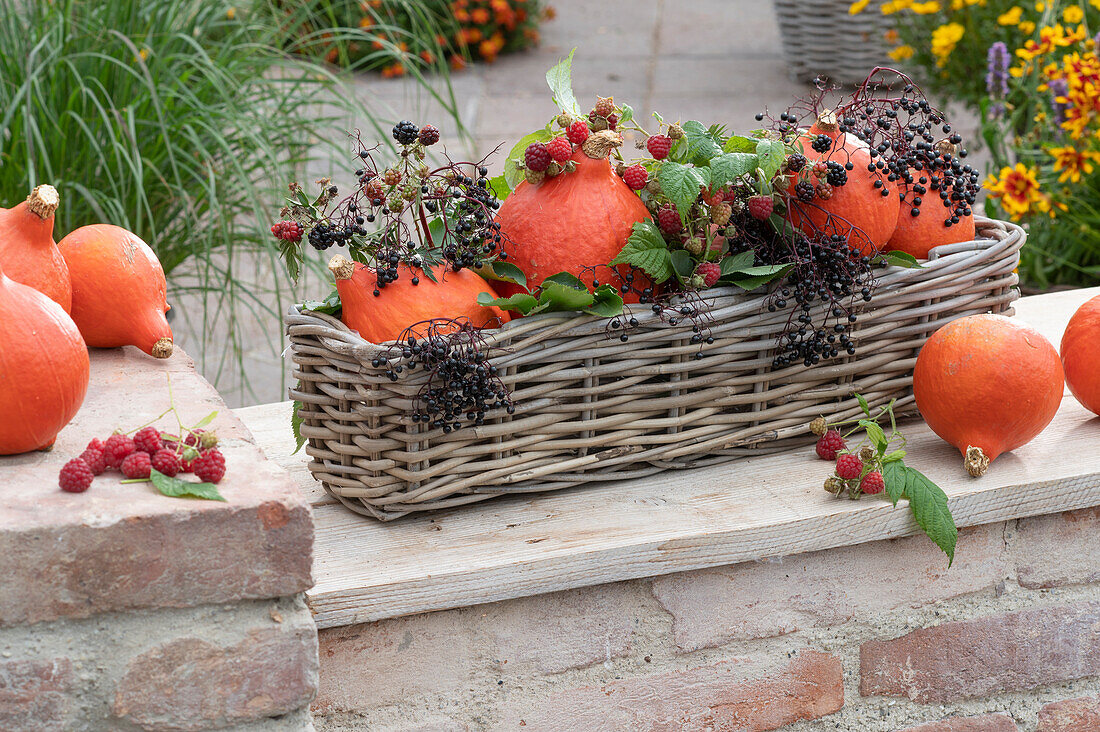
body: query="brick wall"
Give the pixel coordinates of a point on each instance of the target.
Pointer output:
(880, 636)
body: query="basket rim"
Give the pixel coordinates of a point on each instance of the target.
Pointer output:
(1003, 231)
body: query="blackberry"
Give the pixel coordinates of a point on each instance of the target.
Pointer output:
(796, 162)
(405, 132)
(822, 143)
(836, 175)
(805, 191)
(428, 135)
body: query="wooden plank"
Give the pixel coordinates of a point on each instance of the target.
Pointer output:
(677, 521)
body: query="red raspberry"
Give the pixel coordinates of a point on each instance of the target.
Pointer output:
(117, 448)
(209, 466)
(429, 135)
(560, 149)
(612, 120)
(148, 440)
(95, 460)
(658, 146)
(710, 272)
(166, 462)
(136, 465)
(829, 444)
(761, 207)
(849, 466)
(75, 476)
(669, 220)
(824, 191)
(193, 438)
(287, 230)
(872, 483)
(636, 177)
(536, 157)
(96, 443)
(577, 132)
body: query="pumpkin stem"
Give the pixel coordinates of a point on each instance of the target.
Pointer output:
(946, 147)
(600, 144)
(162, 348)
(341, 267)
(827, 122)
(43, 201)
(976, 462)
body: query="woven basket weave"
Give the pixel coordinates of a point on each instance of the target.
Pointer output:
(822, 38)
(590, 407)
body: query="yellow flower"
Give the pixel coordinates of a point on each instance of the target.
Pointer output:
(1018, 190)
(894, 6)
(1072, 162)
(1073, 14)
(860, 5)
(1040, 6)
(944, 40)
(1027, 27)
(901, 53)
(926, 8)
(1012, 17)
(231, 13)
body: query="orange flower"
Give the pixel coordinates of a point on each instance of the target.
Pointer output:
(428, 56)
(462, 16)
(467, 36)
(457, 62)
(480, 16)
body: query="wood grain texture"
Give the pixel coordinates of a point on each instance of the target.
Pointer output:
(755, 508)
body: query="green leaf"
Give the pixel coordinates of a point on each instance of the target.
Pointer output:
(557, 296)
(893, 457)
(929, 505)
(729, 167)
(893, 475)
(750, 278)
(521, 301)
(628, 114)
(328, 306)
(682, 264)
(499, 186)
(737, 262)
(898, 258)
(513, 176)
(875, 435)
(739, 144)
(508, 272)
(606, 302)
(682, 183)
(176, 487)
(206, 420)
(296, 426)
(771, 153)
(560, 81)
(701, 145)
(568, 279)
(646, 249)
(863, 404)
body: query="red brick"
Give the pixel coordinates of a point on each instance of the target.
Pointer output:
(971, 658)
(123, 547)
(36, 696)
(1058, 549)
(761, 599)
(980, 723)
(1070, 715)
(192, 684)
(730, 696)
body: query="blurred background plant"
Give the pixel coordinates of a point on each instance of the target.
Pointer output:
(183, 121)
(454, 31)
(1038, 98)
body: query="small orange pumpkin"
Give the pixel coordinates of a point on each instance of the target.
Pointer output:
(928, 224)
(1081, 354)
(401, 304)
(44, 368)
(119, 290)
(28, 251)
(987, 384)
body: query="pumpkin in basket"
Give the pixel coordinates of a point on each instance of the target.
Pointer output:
(1081, 355)
(574, 221)
(859, 210)
(931, 219)
(412, 298)
(987, 384)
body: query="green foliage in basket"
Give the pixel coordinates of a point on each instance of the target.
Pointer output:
(179, 120)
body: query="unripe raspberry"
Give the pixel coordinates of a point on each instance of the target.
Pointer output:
(849, 466)
(560, 149)
(675, 132)
(636, 177)
(392, 176)
(872, 483)
(536, 157)
(720, 213)
(658, 146)
(578, 132)
(695, 246)
(820, 169)
(824, 191)
(669, 220)
(819, 427)
(829, 444)
(710, 272)
(75, 476)
(604, 106)
(429, 135)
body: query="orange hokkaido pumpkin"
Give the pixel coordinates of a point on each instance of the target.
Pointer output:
(930, 227)
(119, 290)
(1081, 355)
(401, 304)
(44, 368)
(28, 251)
(572, 222)
(987, 384)
(855, 205)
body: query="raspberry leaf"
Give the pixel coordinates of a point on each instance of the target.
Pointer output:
(875, 434)
(555, 296)
(702, 144)
(864, 406)
(206, 420)
(646, 250)
(606, 302)
(508, 272)
(730, 167)
(628, 114)
(900, 259)
(500, 187)
(521, 302)
(513, 176)
(893, 457)
(682, 264)
(739, 144)
(329, 306)
(893, 474)
(928, 503)
(771, 154)
(749, 278)
(736, 263)
(560, 81)
(176, 487)
(296, 427)
(682, 183)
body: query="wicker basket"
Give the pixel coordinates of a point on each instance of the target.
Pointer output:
(592, 408)
(822, 38)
